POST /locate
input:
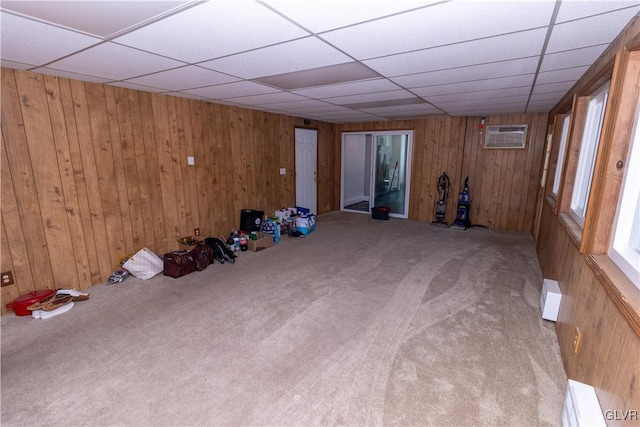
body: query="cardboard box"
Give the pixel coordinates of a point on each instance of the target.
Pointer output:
(264, 241)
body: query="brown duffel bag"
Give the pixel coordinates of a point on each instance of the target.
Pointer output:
(178, 264)
(202, 256)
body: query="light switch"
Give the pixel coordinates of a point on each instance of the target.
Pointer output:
(283, 171)
(191, 161)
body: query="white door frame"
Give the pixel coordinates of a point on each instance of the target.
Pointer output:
(306, 174)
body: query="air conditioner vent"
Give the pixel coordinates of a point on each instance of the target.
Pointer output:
(506, 136)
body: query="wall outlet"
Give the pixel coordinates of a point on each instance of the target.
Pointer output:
(283, 171)
(7, 278)
(577, 339)
(196, 231)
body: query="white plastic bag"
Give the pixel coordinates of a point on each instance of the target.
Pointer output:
(144, 264)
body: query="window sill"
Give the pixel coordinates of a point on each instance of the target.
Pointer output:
(573, 230)
(622, 291)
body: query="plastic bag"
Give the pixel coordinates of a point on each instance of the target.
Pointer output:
(144, 264)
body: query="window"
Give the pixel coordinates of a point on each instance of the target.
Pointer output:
(625, 247)
(587, 157)
(561, 151)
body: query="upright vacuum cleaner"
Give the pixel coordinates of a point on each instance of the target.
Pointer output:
(462, 221)
(444, 190)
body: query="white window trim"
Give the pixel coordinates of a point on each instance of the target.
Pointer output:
(625, 244)
(587, 157)
(561, 153)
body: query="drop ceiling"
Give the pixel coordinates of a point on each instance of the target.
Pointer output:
(335, 61)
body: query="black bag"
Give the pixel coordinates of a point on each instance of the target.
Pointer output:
(178, 264)
(202, 256)
(220, 251)
(250, 220)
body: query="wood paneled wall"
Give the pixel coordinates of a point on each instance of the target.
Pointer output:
(438, 144)
(609, 354)
(503, 183)
(91, 173)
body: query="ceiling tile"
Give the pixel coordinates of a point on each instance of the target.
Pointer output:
(186, 95)
(489, 110)
(16, 65)
(464, 102)
(310, 110)
(475, 86)
(282, 58)
(231, 90)
(323, 15)
(543, 104)
(45, 42)
(214, 29)
(567, 74)
(572, 58)
(268, 99)
(385, 103)
(98, 61)
(182, 78)
(70, 75)
(348, 115)
(597, 30)
(489, 95)
(511, 46)
(570, 10)
(507, 68)
(304, 105)
(404, 109)
(351, 88)
(370, 97)
(100, 18)
(431, 27)
(331, 74)
(537, 109)
(547, 96)
(133, 86)
(553, 87)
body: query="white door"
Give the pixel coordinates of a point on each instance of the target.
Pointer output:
(306, 169)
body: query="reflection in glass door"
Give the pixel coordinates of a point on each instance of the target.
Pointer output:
(376, 171)
(391, 172)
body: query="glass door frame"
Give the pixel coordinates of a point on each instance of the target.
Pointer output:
(372, 174)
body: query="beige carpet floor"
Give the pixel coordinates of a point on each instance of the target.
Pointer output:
(361, 323)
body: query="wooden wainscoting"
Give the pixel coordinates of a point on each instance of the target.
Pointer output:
(609, 354)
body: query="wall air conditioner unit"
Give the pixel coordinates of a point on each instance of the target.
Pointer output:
(505, 136)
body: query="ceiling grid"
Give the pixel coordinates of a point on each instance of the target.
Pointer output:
(335, 61)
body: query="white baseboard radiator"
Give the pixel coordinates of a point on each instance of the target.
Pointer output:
(581, 406)
(550, 299)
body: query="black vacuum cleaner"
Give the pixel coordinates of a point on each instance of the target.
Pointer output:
(444, 190)
(462, 221)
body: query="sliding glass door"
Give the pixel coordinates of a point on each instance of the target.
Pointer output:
(376, 171)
